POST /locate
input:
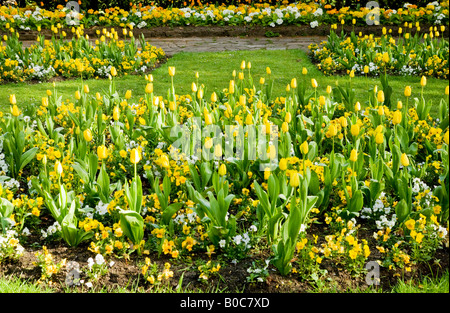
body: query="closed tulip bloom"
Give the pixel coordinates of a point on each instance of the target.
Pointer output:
(249, 119)
(314, 83)
(408, 91)
(353, 155)
(355, 130)
(102, 152)
(128, 95)
(404, 160)
(380, 110)
(423, 81)
(329, 89)
(172, 106)
(399, 105)
(172, 71)
(231, 88)
(135, 156)
(116, 113)
(213, 97)
(208, 143)
(446, 137)
(268, 71)
(149, 88)
(295, 180)
(288, 117)
(44, 101)
(194, 87)
(208, 119)
(343, 121)
(322, 100)
(242, 65)
(446, 91)
(271, 152)
(222, 170)
(294, 83)
(304, 147)
(366, 69)
(357, 106)
(113, 71)
(58, 168)
(397, 118)
(379, 138)
(87, 134)
(200, 94)
(380, 96)
(285, 127)
(283, 164)
(241, 75)
(352, 74)
(15, 110)
(77, 95)
(86, 89)
(332, 129)
(262, 80)
(12, 99)
(386, 57)
(304, 71)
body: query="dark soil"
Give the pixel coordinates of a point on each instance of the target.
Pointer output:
(127, 273)
(229, 31)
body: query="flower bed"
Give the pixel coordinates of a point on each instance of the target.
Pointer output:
(182, 178)
(409, 54)
(263, 14)
(78, 57)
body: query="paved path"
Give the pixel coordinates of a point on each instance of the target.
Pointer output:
(216, 44)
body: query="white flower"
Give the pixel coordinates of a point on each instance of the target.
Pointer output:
(89, 284)
(222, 243)
(237, 239)
(314, 24)
(99, 259)
(90, 262)
(253, 228)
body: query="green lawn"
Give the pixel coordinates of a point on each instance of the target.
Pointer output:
(215, 70)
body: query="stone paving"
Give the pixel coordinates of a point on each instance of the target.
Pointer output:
(216, 44)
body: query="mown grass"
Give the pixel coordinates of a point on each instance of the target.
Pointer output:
(215, 70)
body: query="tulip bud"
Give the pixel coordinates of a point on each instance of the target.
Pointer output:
(87, 135)
(44, 101)
(77, 95)
(304, 71)
(380, 110)
(329, 89)
(171, 71)
(268, 71)
(262, 80)
(249, 119)
(295, 180)
(399, 105)
(357, 106)
(113, 71)
(355, 130)
(135, 156)
(285, 127)
(12, 99)
(423, 81)
(222, 170)
(116, 113)
(404, 160)
(343, 121)
(283, 164)
(397, 118)
(213, 97)
(379, 138)
(15, 110)
(304, 147)
(294, 83)
(446, 91)
(58, 168)
(446, 137)
(86, 89)
(408, 91)
(102, 152)
(314, 83)
(242, 65)
(380, 96)
(366, 69)
(149, 88)
(353, 155)
(288, 117)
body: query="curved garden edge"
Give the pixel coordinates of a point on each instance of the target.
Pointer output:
(230, 31)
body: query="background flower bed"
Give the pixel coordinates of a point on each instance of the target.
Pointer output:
(312, 14)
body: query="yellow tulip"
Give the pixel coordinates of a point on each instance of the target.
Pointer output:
(285, 127)
(288, 88)
(218, 151)
(329, 89)
(200, 94)
(408, 91)
(213, 97)
(149, 88)
(304, 147)
(322, 101)
(12, 99)
(58, 168)
(86, 89)
(404, 159)
(222, 170)
(116, 113)
(44, 101)
(295, 180)
(399, 105)
(208, 119)
(288, 117)
(314, 83)
(231, 88)
(266, 173)
(283, 164)
(397, 118)
(386, 58)
(87, 135)
(135, 156)
(15, 110)
(249, 119)
(446, 91)
(271, 152)
(194, 87)
(172, 71)
(379, 138)
(366, 69)
(49, 92)
(172, 106)
(268, 71)
(243, 65)
(355, 130)
(128, 95)
(304, 71)
(446, 137)
(380, 96)
(343, 121)
(113, 71)
(262, 81)
(353, 155)
(241, 76)
(357, 106)
(294, 83)
(380, 110)
(423, 81)
(77, 95)
(102, 152)
(332, 130)
(208, 143)
(352, 74)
